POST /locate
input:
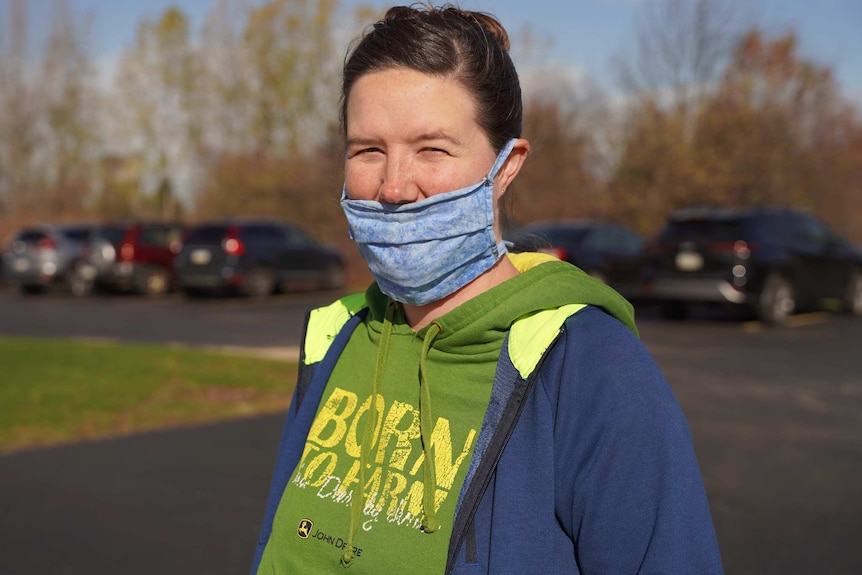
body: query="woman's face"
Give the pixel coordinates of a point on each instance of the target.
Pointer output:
(411, 136)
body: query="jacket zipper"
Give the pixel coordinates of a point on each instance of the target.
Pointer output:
(486, 478)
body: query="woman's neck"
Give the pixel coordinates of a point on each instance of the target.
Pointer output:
(418, 316)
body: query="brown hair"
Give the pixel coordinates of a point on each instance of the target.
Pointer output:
(471, 47)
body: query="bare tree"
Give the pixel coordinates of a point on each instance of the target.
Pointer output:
(48, 137)
(773, 130)
(224, 84)
(155, 90)
(291, 57)
(18, 120)
(681, 48)
(69, 139)
(565, 119)
(278, 83)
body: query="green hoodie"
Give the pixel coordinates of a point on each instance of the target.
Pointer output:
(413, 459)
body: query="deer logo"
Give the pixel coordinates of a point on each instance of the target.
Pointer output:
(304, 529)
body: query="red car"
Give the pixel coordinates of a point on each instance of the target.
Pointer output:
(134, 256)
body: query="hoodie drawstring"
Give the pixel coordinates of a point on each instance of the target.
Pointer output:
(429, 475)
(358, 500)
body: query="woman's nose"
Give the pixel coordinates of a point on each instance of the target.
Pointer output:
(395, 186)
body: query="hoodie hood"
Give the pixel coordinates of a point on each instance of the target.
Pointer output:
(545, 283)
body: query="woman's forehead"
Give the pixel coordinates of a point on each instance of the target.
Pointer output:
(402, 98)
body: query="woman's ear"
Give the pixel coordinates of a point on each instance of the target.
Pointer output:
(512, 165)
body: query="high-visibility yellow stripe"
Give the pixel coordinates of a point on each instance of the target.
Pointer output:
(526, 260)
(531, 335)
(324, 323)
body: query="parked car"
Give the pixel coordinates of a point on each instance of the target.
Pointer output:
(255, 258)
(45, 255)
(772, 260)
(131, 256)
(610, 252)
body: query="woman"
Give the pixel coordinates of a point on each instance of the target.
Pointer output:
(473, 411)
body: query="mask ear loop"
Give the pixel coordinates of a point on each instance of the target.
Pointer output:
(501, 159)
(502, 246)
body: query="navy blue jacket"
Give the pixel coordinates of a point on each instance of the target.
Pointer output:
(584, 466)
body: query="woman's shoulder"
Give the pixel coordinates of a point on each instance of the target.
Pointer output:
(599, 361)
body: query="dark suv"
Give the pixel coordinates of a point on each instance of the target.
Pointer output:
(773, 261)
(610, 252)
(132, 256)
(255, 258)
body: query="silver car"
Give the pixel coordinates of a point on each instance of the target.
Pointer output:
(45, 255)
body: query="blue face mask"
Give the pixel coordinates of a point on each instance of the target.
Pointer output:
(424, 251)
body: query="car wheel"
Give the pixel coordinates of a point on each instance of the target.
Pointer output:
(31, 289)
(153, 281)
(853, 294)
(334, 276)
(777, 301)
(259, 282)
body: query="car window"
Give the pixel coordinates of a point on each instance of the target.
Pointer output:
(706, 229)
(526, 240)
(571, 236)
(598, 240)
(545, 237)
(207, 234)
(262, 233)
(767, 227)
(78, 234)
(297, 237)
(31, 236)
(627, 242)
(814, 231)
(159, 236)
(111, 233)
(803, 232)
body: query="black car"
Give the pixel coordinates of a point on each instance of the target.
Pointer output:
(607, 251)
(772, 260)
(255, 258)
(610, 252)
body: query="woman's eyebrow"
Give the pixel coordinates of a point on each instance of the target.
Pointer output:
(358, 141)
(435, 136)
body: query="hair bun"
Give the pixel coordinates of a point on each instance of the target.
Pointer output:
(486, 21)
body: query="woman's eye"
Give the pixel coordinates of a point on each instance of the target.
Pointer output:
(362, 151)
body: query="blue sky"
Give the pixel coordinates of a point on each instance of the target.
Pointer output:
(586, 33)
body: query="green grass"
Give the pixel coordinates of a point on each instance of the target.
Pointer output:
(56, 391)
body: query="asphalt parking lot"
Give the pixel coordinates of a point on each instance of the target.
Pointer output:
(776, 416)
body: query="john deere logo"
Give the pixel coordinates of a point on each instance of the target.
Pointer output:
(304, 529)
